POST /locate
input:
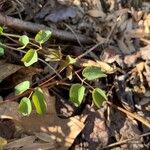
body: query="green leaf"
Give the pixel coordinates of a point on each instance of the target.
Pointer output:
(1, 30)
(22, 87)
(23, 41)
(2, 51)
(76, 93)
(92, 73)
(39, 101)
(70, 60)
(30, 57)
(25, 106)
(42, 36)
(98, 96)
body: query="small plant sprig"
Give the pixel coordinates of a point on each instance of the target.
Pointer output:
(36, 97)
(31, 56)
(77, 91)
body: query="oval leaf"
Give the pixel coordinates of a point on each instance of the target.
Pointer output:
(23, 40)
(98, 96)
(76, 94)
(92, 73)
(39, 101)
(42, 36)
(30, 57)
(22, 87)
(2, 51)
(1, 30)
(25, 106)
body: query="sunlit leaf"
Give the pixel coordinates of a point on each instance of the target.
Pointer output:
(98, 96)
(23, 41)
(30, 57)
(54, 55)
(42, 36)
(69, 72)
(76, 93)
(92, 73)
(39, 101)
(3, 142)
(2, 51)
(70, 60)
(22, 87)
(1, 30)
(25, 106)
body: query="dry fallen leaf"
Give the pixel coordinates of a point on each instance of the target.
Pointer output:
(122, 46)
(6, 69)
(145, 52)
(8, 110)
(38, 146)
(96, 13)
(62, 132)
(20, 142)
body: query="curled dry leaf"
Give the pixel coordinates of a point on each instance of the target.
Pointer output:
(130, 60)
(103, 65)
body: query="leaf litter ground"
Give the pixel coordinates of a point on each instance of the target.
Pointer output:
(111, 35)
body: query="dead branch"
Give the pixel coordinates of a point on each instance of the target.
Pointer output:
(34, 27)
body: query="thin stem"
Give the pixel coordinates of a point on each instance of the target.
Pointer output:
(30, 94)
(82, 80)
(9, 47)
(133, 115)
(88, 51)
(18, 36)
(11, 35)
(50, 67)
(124, 141)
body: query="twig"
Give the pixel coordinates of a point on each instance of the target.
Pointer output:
(124, 141)
(145, 40)
(74, 34)
(98, 44)
(44, 62)
(34, 27)
(88, 51)
(133, 115)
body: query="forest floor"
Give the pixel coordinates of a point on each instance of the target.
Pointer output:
(83, 66)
